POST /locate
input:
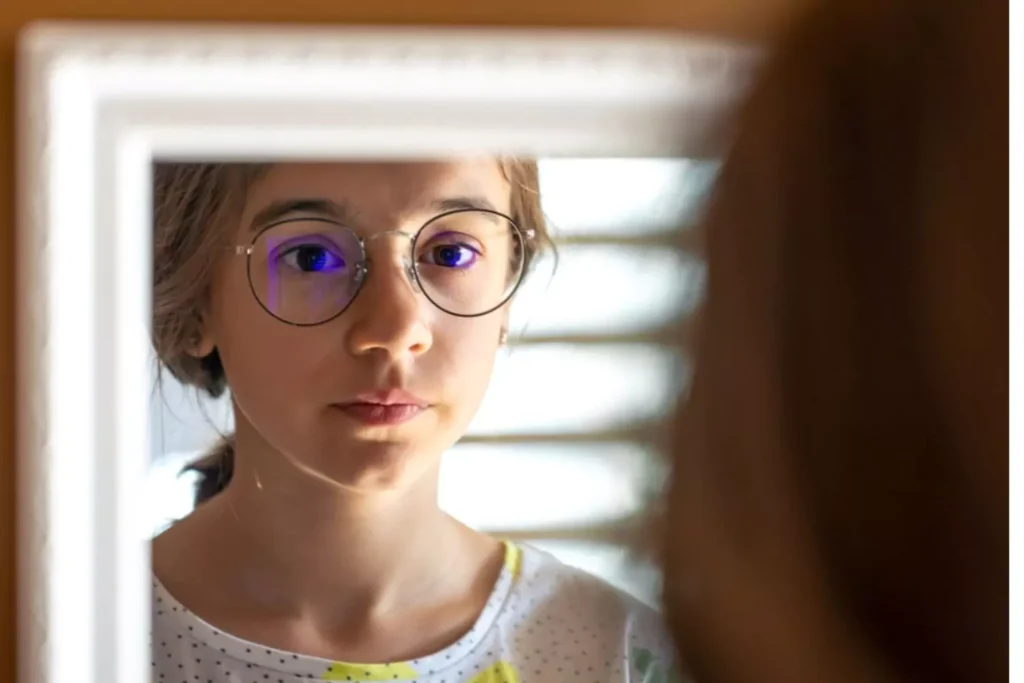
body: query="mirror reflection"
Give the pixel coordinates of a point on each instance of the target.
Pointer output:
(360, 367)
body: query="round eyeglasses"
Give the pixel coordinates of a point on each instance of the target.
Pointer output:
(308, 271)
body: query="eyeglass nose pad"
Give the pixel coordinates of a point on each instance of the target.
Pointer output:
(361, 270)
(410, 272)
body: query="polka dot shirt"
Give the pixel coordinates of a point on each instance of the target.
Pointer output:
(544, 623)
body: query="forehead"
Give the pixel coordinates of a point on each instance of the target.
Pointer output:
(392, 189)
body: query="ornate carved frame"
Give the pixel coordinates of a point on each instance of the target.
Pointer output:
(98, 102)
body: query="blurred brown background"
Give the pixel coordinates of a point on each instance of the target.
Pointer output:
(743, 19)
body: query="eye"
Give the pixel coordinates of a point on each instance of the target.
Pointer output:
(451, 256)
(313, 258)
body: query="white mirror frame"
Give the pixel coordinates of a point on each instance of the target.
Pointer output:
(97, 103)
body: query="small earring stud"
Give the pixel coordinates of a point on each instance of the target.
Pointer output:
(503, 337)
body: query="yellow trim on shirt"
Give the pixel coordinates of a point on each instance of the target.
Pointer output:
(513, 558)
(341, 671)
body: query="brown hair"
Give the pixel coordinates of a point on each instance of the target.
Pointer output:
(194, 206)
(838, 509)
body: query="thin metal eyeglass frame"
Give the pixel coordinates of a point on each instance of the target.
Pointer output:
(412, 271)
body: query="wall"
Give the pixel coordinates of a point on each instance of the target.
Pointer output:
(749, 19)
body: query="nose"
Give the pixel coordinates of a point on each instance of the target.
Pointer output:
(389, 316)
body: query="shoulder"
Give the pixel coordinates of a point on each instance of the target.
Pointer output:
(562, 613)
(575, 595)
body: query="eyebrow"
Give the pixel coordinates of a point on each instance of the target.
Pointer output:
(275, 211)
(344, 214)
(465, 202)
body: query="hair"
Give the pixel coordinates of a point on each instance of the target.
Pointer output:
(196, 206)
(838, 506)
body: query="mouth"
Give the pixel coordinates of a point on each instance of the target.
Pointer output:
(389, 407)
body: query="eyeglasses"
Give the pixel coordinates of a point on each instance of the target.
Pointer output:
(308, 271)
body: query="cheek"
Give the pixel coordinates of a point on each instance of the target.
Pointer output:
(464, 353)
(267, 361)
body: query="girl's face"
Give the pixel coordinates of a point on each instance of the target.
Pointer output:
(309, 391)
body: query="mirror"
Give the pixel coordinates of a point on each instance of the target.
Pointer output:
(626, 130)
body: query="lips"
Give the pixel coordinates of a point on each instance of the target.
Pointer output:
(376, 414)
(387, 407)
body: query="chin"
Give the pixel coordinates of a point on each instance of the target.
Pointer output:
(372, 465)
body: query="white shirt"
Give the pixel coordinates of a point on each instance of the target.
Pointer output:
(545, 622)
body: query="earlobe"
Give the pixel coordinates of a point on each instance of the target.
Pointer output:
(503, 332)
(200, 346)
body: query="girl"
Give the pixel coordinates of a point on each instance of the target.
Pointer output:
(354, 310)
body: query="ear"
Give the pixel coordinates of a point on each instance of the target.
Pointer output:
(202, 345)
(506, 312)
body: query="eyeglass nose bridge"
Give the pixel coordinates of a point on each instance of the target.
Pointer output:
(407, 259)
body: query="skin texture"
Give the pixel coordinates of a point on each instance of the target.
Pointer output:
(328, 540)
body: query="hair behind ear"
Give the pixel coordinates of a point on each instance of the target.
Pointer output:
(214, 469)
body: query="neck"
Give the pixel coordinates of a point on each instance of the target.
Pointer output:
(293, 543)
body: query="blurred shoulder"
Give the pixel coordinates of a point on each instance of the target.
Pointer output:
(563, 613)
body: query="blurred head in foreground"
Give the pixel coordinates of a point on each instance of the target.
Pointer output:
(838, 510)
